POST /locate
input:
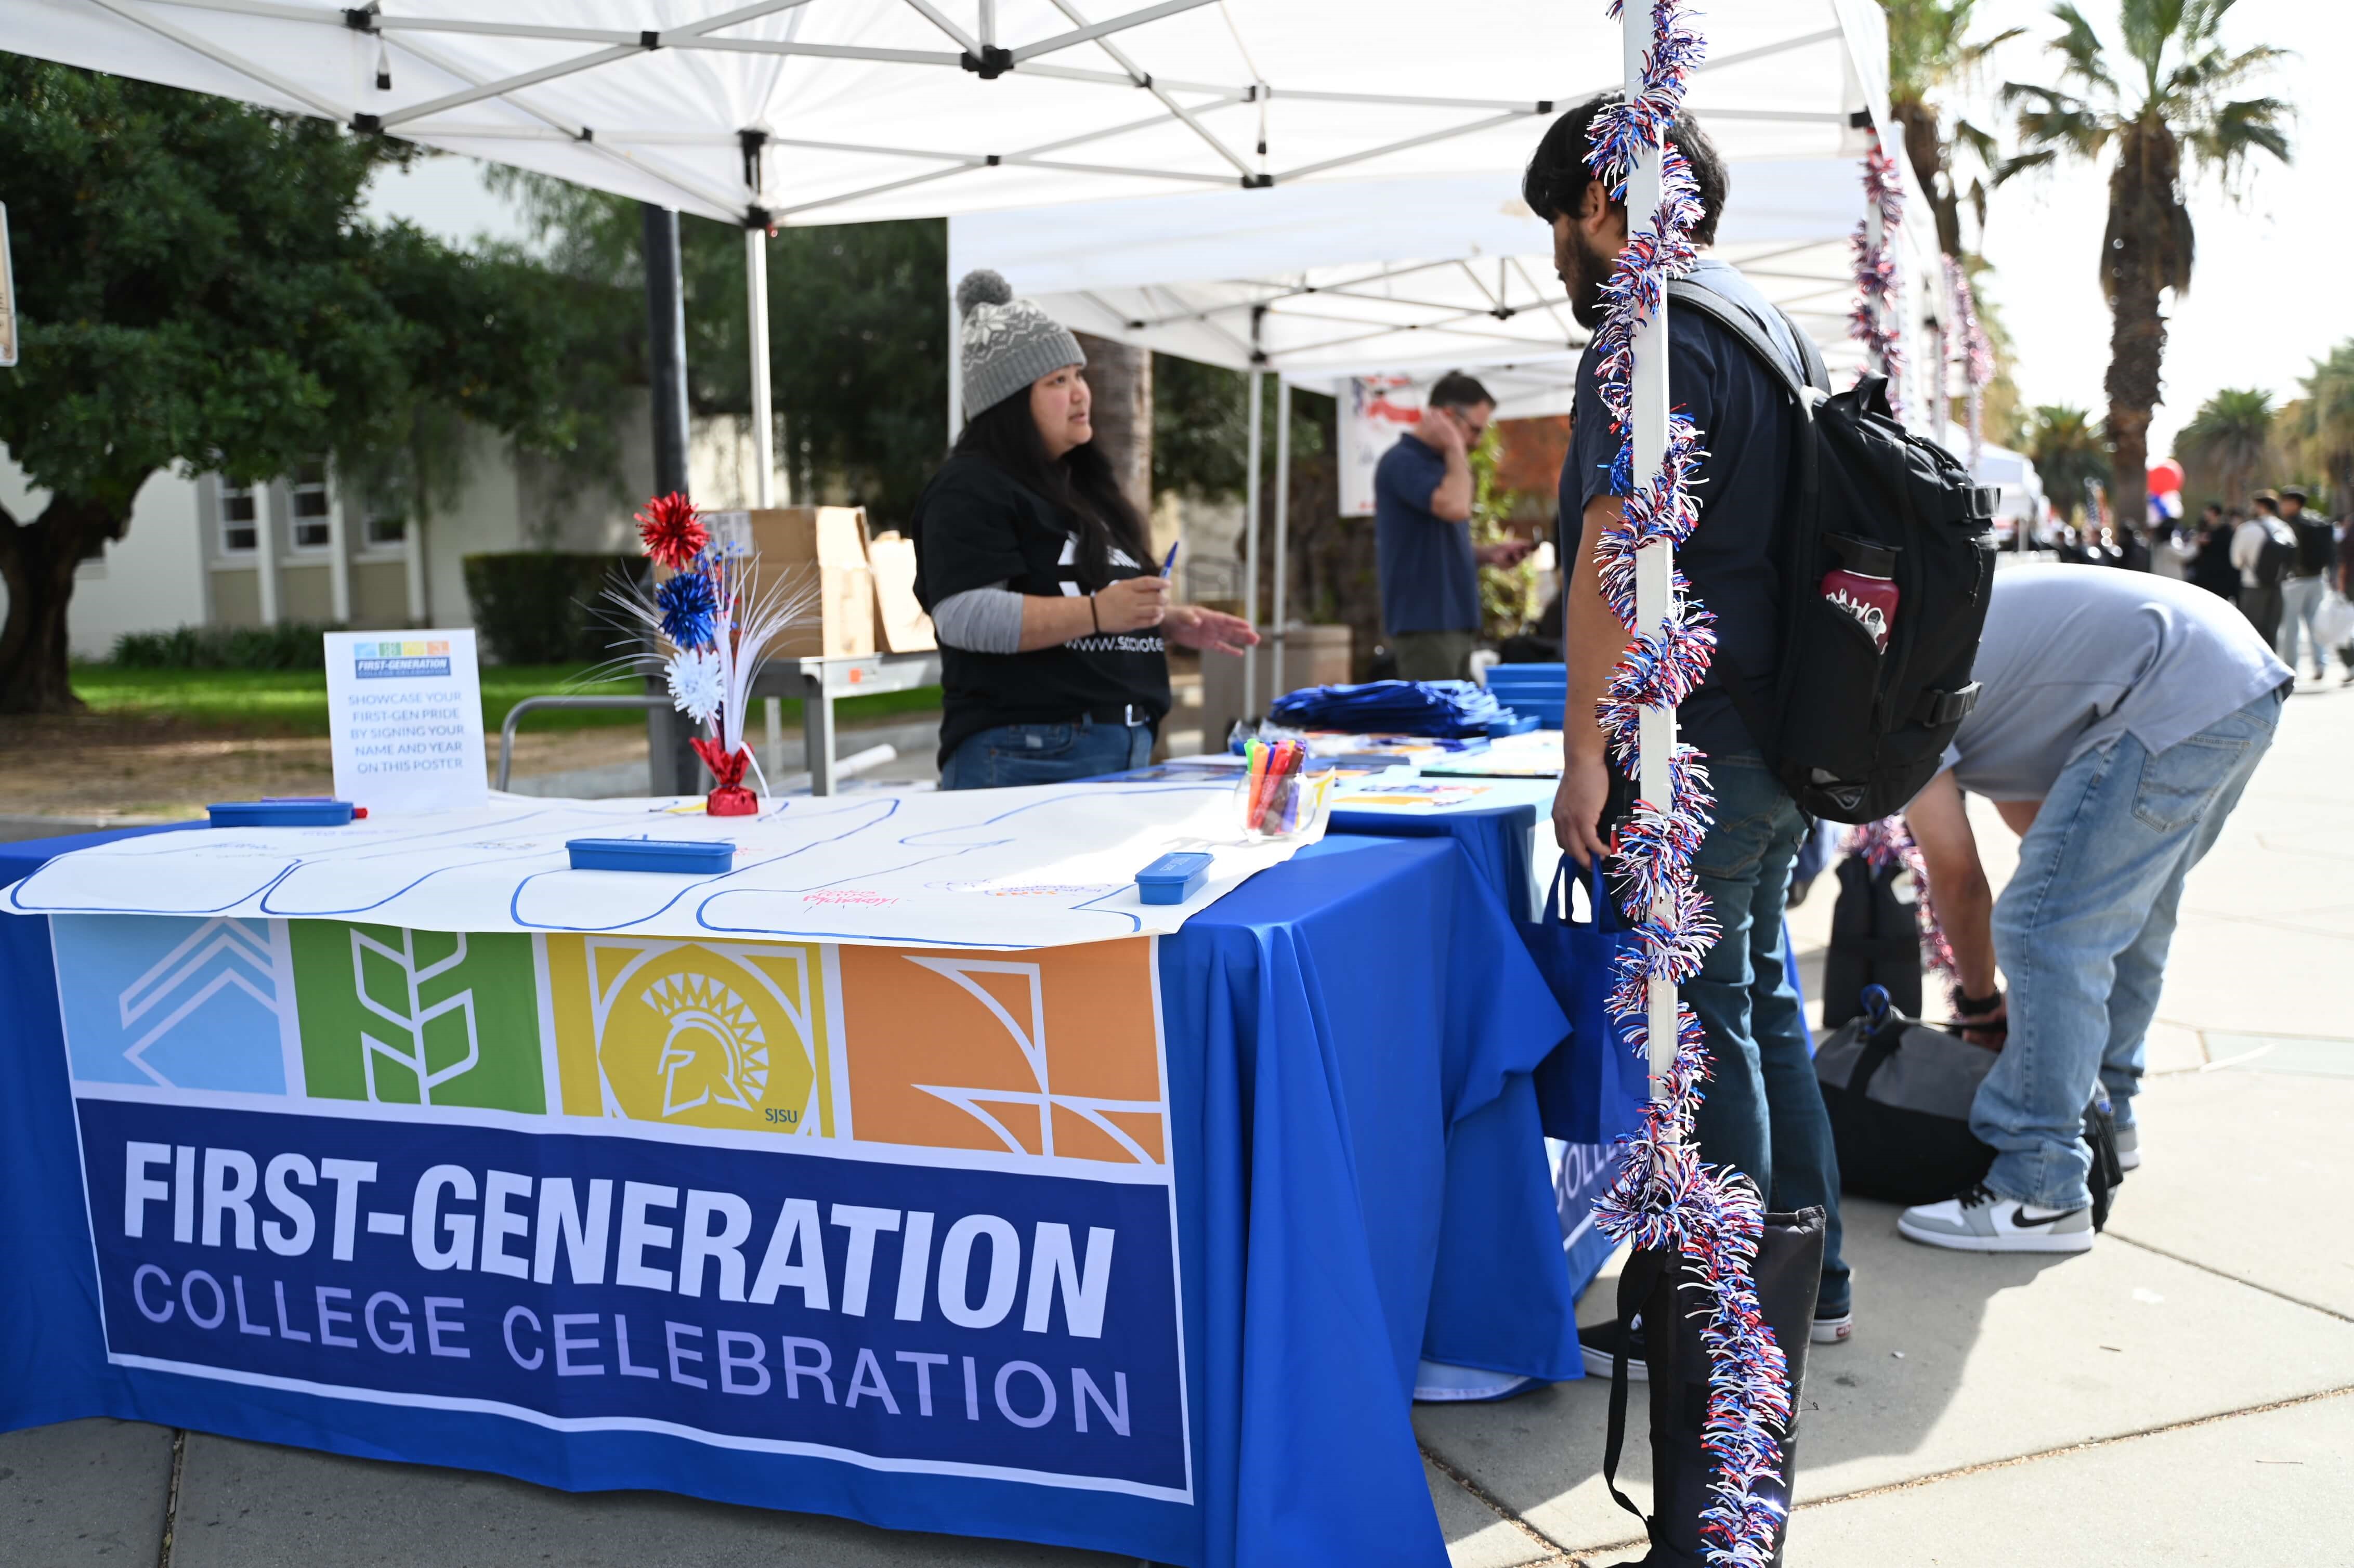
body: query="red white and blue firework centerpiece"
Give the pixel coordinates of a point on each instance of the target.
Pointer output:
(712, 626)
(1664, 1198)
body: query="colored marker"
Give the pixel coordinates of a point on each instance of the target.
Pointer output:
(1171, 559)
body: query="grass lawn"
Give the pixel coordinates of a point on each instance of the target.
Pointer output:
(294, 701)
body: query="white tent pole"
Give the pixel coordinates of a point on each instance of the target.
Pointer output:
(1655, 563)
(1250, 548)
(1278, 613)
(955, 369)
(764, 414)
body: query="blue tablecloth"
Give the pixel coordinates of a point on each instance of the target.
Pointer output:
(1496, 837)
(1345, 1034)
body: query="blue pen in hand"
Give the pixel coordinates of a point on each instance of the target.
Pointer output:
(1171, 559)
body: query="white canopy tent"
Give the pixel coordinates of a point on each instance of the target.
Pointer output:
(1404, 275)
(836, 110)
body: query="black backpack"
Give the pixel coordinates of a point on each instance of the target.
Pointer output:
(2317, 545)
(1875, 941)
(2277, 559)
(1853, 731)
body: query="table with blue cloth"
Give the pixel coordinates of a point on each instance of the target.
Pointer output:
(1332, 1029)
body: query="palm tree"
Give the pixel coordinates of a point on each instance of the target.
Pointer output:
(2069, 449)
(1928, 50)
(2164, 96)
(2318, 428)
(2230, 439)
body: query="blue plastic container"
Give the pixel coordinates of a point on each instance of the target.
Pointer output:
(306, 811)
(677, 857)
(1173, 878)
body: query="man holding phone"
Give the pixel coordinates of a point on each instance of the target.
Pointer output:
(1422, 535)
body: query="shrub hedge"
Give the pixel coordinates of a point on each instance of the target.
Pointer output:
(290, 645)
(536, 607)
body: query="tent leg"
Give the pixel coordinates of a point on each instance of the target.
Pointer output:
(666, 346)
(1279, 612)
(1250, 545)
(764, 413)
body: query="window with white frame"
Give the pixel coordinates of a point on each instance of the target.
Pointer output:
(313, 531)
(240, 527)
(385, 526)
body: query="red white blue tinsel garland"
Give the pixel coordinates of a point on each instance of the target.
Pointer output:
(1879, 282)
(1663, 1197)
(1887, 842)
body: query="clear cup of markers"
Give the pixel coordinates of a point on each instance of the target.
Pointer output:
(1277, 797)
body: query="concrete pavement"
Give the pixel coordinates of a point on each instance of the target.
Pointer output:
(2184, 1393)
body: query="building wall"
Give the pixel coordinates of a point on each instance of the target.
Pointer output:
(171, 567)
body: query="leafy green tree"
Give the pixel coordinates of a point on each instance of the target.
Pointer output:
(2161, 100)
(2228, 444)
(2069, 449)
(2318, 429)
(857, 332)
(197, 293)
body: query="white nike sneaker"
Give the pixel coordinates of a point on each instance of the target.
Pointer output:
(2128, 1148)
(1981, 1220)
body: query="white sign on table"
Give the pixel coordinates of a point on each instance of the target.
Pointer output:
(405, 713)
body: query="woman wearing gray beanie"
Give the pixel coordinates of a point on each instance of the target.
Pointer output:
(1037, 571)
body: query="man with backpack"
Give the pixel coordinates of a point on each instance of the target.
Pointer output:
(2119, 717)
(1762, 1114)
(2265, 551)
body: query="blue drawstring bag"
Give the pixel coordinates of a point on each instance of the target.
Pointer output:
(1590, 1090)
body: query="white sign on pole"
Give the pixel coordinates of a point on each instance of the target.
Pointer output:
(8, 296)
(1375, 410)
(405, 712)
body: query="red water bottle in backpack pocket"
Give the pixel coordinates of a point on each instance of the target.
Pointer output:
(1864, 585)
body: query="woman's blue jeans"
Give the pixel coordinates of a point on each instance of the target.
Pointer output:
(1760, 1112)
(1014, 754)
(2081, 933)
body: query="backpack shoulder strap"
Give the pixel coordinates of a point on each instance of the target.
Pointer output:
(1742, 326)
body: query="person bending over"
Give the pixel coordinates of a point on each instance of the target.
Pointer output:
(2119, 717)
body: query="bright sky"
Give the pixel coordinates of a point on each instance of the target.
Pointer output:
(2264, 300)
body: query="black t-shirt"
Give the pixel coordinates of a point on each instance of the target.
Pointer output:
(975, 525)
(1744, 416)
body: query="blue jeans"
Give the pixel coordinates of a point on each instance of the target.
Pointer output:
(1045, 753)
(2081, 934)
(1761, 1112)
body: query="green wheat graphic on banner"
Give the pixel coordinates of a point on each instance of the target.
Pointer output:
(401, 1017)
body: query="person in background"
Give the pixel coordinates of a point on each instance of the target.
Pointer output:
(2317, 547)
(1037, 572)
(2345, 578)
(1762, 1114)
(2209, 554)
(2129, 551)
(1421, 534)
(2118, 720)
(2262, 549)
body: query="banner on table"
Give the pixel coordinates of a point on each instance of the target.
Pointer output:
(908, 1209)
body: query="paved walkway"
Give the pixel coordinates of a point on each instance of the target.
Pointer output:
(2183, 1393)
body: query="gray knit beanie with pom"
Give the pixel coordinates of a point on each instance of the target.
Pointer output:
(1007, 343)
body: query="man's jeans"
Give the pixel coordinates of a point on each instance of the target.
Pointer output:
(2081, 933)
(2300, 604)
(1760, 1111)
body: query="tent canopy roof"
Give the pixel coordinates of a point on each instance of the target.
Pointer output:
(1407, 275)
(838, 111)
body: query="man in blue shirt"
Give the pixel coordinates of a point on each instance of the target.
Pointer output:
(1422, 535)
(1762, 1114)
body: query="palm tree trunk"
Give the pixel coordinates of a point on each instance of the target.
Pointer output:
(1924, 149)
(1120, 375)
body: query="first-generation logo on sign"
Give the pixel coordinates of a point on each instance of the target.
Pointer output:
(382, 660)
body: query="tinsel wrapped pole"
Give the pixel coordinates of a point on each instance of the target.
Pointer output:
(1655, 560)
(1878, 279)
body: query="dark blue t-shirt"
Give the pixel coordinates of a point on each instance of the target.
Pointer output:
(1744, 416)
(1430, 581)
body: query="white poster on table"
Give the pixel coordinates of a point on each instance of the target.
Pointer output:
(1375, 410)
(405, 712)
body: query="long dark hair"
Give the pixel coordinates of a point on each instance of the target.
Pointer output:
(1080, 482)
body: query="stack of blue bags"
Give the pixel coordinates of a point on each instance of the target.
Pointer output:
(1447, 710)
(1533, 691)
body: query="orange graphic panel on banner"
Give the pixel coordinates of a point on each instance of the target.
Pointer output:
(1052, 1052)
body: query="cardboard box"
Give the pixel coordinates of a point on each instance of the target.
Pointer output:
(906, 629)
(819, 547)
